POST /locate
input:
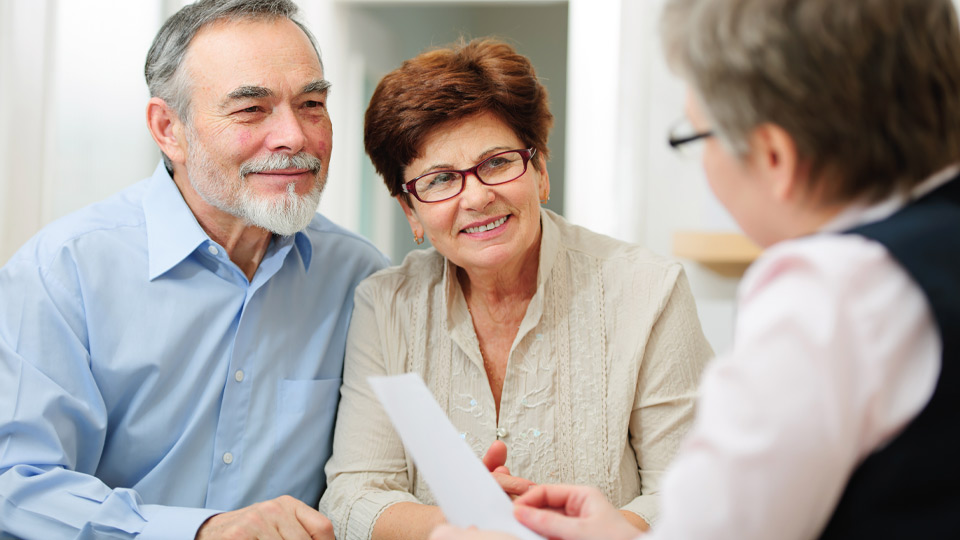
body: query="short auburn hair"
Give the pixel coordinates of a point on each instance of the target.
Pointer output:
(448, 84)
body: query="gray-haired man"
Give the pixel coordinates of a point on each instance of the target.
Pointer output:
(170, 358)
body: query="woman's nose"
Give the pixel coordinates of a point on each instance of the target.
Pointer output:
(475, 195)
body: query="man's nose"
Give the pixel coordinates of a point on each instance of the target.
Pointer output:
(286, 131)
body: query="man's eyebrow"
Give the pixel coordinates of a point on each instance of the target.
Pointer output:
(248, 92)
(319, 85)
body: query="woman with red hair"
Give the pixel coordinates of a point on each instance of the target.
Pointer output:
(579, 353)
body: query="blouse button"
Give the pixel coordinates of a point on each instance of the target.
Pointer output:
(502, 432)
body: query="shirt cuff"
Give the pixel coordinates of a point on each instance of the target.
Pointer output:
(645, 506)
(365, 510)
(173, 522)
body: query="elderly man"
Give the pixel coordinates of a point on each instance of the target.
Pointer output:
(170, 358)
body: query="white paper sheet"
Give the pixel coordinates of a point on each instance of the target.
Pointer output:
(461, 484)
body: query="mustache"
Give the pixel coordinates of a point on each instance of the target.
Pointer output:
(300, 160)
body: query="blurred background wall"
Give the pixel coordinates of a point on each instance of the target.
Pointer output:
(72, 102)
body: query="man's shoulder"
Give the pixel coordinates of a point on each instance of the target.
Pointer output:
(117, 214)
(335, 240)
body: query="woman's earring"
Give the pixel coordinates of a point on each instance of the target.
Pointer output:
(417, 238)
(545, 200)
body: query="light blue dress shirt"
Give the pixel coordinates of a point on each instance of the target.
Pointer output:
(146, 384)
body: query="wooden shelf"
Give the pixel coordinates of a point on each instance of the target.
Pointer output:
(728, 254)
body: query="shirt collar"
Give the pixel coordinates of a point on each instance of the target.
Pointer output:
(173, 232)
(860, 213)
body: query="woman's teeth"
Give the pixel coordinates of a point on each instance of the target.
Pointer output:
(487, 227)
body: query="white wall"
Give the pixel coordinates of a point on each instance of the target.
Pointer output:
(623, 98)
(72, 127)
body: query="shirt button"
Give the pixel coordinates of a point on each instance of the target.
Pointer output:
(228, 458)
(238, 375)
(502, 432)
(213, 250)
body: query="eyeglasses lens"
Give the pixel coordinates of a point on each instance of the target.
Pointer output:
(496, 169)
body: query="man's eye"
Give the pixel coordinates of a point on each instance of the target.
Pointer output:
(252, 109)
(313, 104)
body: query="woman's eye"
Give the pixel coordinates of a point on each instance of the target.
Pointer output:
(442, 179)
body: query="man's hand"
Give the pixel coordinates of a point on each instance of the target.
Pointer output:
(495, 460)
(283, 518)
(572, 513)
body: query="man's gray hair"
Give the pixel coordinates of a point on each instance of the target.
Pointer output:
(164, 77)
(868, 89)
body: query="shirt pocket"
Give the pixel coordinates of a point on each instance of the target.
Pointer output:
(303, 435)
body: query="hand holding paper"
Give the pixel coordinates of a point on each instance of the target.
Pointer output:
(462, 485)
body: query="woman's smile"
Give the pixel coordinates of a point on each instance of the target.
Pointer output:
(478, 228)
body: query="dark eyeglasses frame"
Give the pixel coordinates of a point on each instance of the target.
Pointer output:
(525, 154)
(677, 142)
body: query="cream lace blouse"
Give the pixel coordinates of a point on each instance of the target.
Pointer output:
(599, 387)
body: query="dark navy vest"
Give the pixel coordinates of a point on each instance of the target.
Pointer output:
(911, 487)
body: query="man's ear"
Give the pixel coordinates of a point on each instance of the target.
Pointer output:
(774, 155)
(411, 215)
(166, 128)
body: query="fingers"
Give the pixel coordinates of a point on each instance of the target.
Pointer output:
(280, 515)
(513, 485)
(546, 496)
(548, 523)
(449, 532)
(283, 518)
(572, 513)
(496, 455)
(315, 524)
(572, 500)
(446, 532)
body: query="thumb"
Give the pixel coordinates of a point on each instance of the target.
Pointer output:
(548, 523)
(313, 522)
(496, 456)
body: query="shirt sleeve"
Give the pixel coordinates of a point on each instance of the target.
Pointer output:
(784, 419)
(673, 359)
(53, 424)
(368, 469)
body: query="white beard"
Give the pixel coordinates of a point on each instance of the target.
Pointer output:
(283, 214)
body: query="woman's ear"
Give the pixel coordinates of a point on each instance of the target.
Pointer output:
(166, 128)
(544, 182)
(774, 155)
(412, 217)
